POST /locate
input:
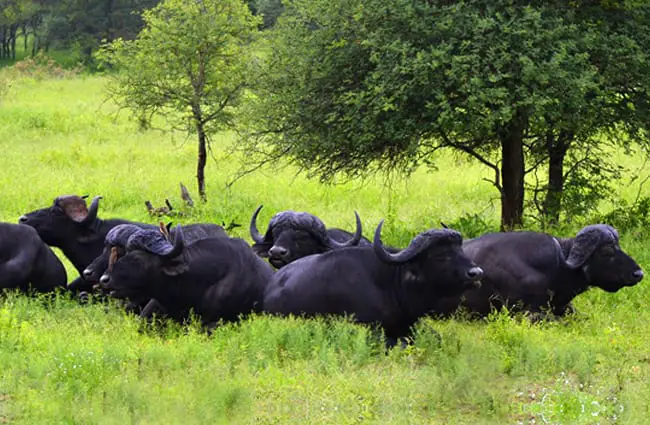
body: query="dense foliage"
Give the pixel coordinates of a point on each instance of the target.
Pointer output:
(360, 86)
(67, 23)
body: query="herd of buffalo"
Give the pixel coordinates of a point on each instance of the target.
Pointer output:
(311, 270)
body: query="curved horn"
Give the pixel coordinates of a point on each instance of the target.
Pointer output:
(179, 244)
(255, 234)
(378, 247)
(353, 241)
(417, 245)
(92, 211)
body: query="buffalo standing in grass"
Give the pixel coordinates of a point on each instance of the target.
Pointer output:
(533, 272)
(69, 225)
(392, 289)
(219, 278)
(292, 235)
(26, 261)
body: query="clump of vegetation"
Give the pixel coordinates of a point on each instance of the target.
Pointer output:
(40, 67)
(629, 216)
(472, 225)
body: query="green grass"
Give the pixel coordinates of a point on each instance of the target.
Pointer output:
(65, 363)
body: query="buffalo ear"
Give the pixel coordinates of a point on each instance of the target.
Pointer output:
(584, 245)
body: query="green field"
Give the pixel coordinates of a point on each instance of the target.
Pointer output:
(65, 363)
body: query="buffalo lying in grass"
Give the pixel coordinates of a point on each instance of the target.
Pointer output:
(218, 278)
(529, 271)
(69, 225)
(117, 238)
(292, 235)
(27, 262)
(391, 289)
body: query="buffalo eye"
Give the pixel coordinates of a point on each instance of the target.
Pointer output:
(608, 251)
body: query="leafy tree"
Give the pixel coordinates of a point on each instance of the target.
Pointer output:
(87, 22)
(269, 9)
(359, 86)
(188, 65)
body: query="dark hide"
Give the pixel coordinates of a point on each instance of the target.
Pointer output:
(26, 261)
(372, 284)
(529, 271)
(119, 236)
(77, 231)
(219, 278)
(291, 235)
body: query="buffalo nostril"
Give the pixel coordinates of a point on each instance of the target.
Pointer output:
(104, 279)
(475, 273)
(638, 274)
(278, 251)
(22, 219)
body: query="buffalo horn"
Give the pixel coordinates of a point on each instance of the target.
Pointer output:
(255, 234)
(92, 211)
(179, 244)
(417, 245)
(353, 241)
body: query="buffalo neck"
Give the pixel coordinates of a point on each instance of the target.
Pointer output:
(569, 282)
(81, 254)
(81, 250)
(409, 304)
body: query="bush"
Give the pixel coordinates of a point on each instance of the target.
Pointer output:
(629, 216)
(39, 67)
(472, 225)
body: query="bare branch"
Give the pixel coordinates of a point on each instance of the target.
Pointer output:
(468, 150)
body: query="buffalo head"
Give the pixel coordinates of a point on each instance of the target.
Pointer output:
(67, 216)
(114, 248)
(597, 252)
(149, 253)
(292, 235)
(433, 263)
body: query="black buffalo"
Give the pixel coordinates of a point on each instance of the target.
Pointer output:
(26, 261)
(117, 238)
(219, 278)
(529, 271)
(292, 235)
(376, 286)
(69, 225)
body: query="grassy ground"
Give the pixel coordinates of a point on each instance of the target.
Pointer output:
(65, 363)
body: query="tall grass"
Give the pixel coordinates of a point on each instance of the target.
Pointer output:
(65, 363)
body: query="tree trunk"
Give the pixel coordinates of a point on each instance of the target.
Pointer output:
(203, 155)
(3, 33)
(556, 150)
(512, 174)
(14, 34)
(24, 38)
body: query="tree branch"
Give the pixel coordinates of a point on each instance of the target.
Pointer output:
(468, 150)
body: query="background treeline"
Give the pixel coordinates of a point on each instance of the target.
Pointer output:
(82, 24)
(547, 96)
